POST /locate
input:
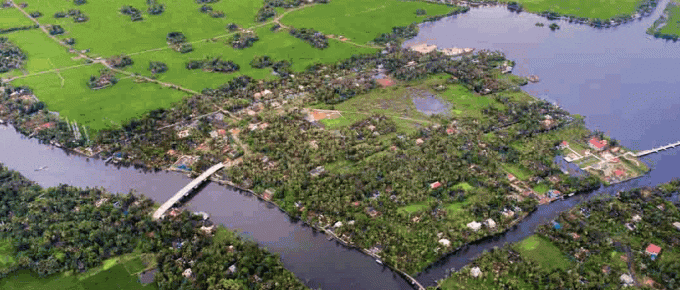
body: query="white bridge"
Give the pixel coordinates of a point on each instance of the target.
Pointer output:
(186, 190)
(657, 149)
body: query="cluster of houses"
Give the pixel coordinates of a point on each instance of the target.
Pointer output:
(526, 192)
(607, 159)
(425, 48)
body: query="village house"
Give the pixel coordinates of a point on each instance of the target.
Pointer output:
(475, 226)
(419, 141)
(636, 218)
(490, 223)
(187, 273)
(317, 171)
(445, 242)
(677, 225)
(597, 144)
(475, 272)
(627, 280)
(183, 134)
(511, 177)
(232, 268)
(372, 212)
(435, 185)
(653, 251)
(268, 194)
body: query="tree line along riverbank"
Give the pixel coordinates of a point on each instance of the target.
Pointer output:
(92, 235)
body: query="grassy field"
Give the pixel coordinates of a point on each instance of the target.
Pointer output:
(541, 188)
(397, 102)
(124, 36)
(602, 9)
(116, 273)
(68, 94)
(413, 208)
(517, 170)
(277, 45)
(362, 20)
(13, 18)
(542, 252)
(42, 52)
(672, 24)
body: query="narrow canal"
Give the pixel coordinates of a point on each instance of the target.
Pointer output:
(622, 81)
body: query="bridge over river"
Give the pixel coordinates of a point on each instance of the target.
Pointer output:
(657, 149)
(186, 190)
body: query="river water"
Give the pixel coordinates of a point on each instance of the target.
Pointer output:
(622, 81)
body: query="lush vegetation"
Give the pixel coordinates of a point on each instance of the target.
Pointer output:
(668, 25)
(598, 9)
(97, 237)
(593, 246)
(362, 20)
(11, 57)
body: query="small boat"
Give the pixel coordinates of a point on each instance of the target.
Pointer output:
(41, 168)
(378, 261)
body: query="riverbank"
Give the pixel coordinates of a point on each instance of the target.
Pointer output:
(553, 11)
(612, 239)
(666, 27)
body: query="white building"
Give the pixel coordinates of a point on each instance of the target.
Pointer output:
(475, 272)
(627, 280)
(445, 242)
(475, 226)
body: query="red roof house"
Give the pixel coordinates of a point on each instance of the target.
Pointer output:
(619, 172)
(653, 250)
(596, 144)
(385, 82)
(511, 177)
(435, 185)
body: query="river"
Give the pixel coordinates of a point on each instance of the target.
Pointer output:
(620, 79)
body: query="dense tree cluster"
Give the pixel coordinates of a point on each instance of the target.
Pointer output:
(603, 239)
(77, 15)
(36, 14)
(134, 13)
(213, 64)
(311, 36)
(105, 79)
(268, 9)
(65, 228)
(120, 61)
(12, 29)
(155, 8)
(157, 67)
(55, 29)
(79, 2)
(177, 41)
(11, 57)
(420, 12)
(244, 40)
(398, 34)
(232, 27)
(261, 61)
(70, 41)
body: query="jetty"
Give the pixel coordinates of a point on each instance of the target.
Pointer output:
(657, 149)
(160, 212)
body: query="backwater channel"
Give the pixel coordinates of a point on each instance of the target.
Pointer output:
(620, 79)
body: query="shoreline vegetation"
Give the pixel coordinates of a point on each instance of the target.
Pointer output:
(615, 241)
(666, 27)
(185, 249)
(545, 9)
(404, 184)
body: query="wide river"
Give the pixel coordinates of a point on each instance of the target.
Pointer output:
(620, 79)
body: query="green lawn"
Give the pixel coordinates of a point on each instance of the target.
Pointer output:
(543, 252)
(10, 17)
(464, 102)
(517, 170)
(115, 277)
(602, 9)
(541, 188)
(101, 108)
(414, 207)
(6, 253)
(362, 20)
(463, 185)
